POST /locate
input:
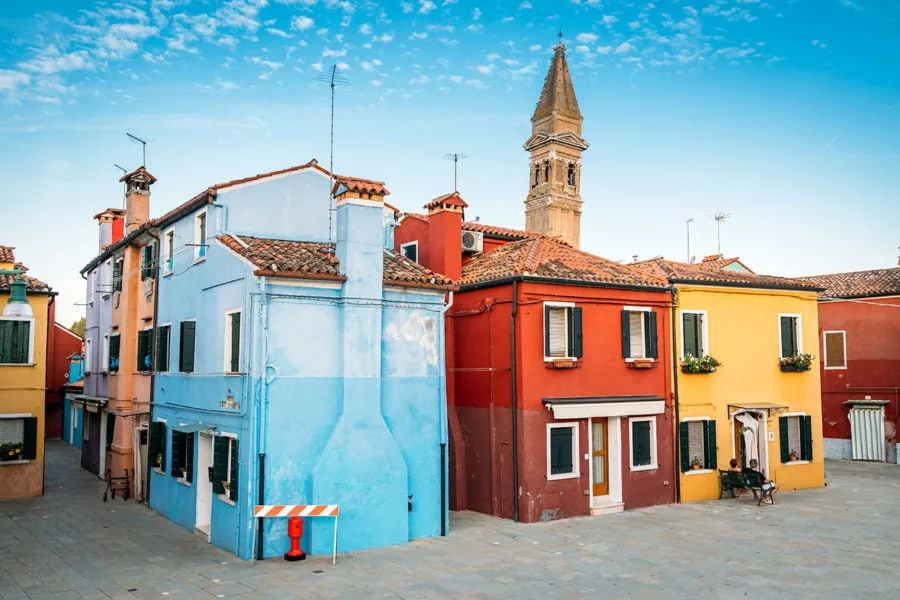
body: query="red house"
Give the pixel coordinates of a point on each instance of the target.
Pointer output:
(62, 343)
(859, 333)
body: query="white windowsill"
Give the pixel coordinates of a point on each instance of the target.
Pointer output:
(168, 273)
(792, 463)
(31, 364)
(552, 358)
(634, 358)
(844, 368)
(698, 472)
(183, 482)
(233, 373)
(645, 468)
(559, 476)
(14, 462)
(199, 259)
(224, 498)
(158, 471)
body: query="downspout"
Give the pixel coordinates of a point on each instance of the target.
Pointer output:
(515, 420)
(47, 345)
(675, 401)
(442, 407)
(224, 208)
(261, 420)
(153, 339)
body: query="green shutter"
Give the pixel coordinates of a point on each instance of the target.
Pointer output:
(709, 445)
(652, 342)
(575, 332)
(6, 341)
(117, 276)
(114, 343)
(783, 438)
(691, 339)
(29, 449)
(186, 353)
(153, 443)
(21, 339)
(189, 457)
(162, 349)
(546, 331)
(806, 446)
(626, 334)
(235, 473)
(684, 445)
(220, 463)
(145, 262)
(788, 337)
(177, 453)
(235, 342)
(144, 356)
(163, 442)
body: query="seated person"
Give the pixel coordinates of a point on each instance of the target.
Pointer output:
(767, 484)
(733, 465)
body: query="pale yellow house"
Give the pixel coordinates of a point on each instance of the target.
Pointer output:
(762, 401)
(26, 307)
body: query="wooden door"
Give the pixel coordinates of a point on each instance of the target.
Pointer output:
(599, 458)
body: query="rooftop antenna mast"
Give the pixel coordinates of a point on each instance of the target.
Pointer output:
(143, 148)
(688, 223)
(333, 77)
(455, 157)
(719, 218)
(124, 184)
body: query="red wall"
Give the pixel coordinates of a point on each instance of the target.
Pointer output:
(61, 344)
(872, 341)
(412, 230)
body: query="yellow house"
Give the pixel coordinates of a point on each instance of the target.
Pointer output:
(26, 305)
(762, 401)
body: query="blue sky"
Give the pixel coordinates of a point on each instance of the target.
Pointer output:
(785, 115)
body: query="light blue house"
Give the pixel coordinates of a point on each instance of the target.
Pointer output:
(73, 411)
(296, 370)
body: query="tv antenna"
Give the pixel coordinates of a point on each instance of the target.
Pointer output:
(143, 148)
(688, 224)
(455, 157)
(719, 218)
(333, 77)
(124, 184)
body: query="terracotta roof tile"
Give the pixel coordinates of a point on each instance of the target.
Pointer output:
(7, 254)
(488, 230)
(139, 171)
(713, 272)
(451, 199)
(361, 186)
(717, 261)
(31, 284)
(550, 258)
(399, 270)
(859, 284)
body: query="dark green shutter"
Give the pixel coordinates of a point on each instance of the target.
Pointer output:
(235, 342)
(783, 438)
(546, 331)
(220, 463)
(626, 334)
(163, 441)
(6, 341)
(145, 262)
(651, 339)
(162, 349)
(576, 332)
(684, 445)
(144, 356)
(117, 276)
(21, 337)
(788, 337)
(186, 353)
(29, 449)
(235, 480)
(709, 445)
(691, 339)
(806, 448)
(153, 444)
(114, 343)
(177, 453)
(189, 457)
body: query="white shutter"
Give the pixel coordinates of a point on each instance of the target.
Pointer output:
(636, 332)
(696, 446)
(794, 434)
(558, 333)
(12, 431)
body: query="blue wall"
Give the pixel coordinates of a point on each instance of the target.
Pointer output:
(72, 435)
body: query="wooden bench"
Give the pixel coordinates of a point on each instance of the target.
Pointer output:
(747, 480)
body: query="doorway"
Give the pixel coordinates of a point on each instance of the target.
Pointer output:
(203, 483)
(90, 443)
(599, 458)
(749, 438)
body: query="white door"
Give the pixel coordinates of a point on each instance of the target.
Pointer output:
(204, 486)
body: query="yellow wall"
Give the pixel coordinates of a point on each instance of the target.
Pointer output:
(22, 391)
(743, 334)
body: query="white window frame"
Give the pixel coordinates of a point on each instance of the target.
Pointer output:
(799, 460)
(104, 354)
(407, 245)
(165, 442)
(227, 362)
(106, 278)
(168, 349)
(569, 351)
(230, 436)
(704, 331)
(30, 361)
(825, 350)
(698, 471)
(645, 309)
(88, 351)
(799, 318)
(200, 245)
(168, 253)
(654, 463)
(576, 461)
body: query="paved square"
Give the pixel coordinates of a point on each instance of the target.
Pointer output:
(837, 542)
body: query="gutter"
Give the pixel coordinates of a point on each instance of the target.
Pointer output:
(533, 279)
(443, 422)
(153, 355)
(261, 416)
(515, 420)
(677, 462)
(751, 285)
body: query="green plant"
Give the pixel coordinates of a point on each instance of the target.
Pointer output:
(697, 462)
(799, 362)
(701, 364)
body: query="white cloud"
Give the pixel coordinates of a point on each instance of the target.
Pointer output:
(10, 80)
(365, 29)
(153, 58)
(634, 24)
(343, 66)
(587, 38)
(485, 69)
(256, 60)
(407, 7)
(447, 28)
(493, 56)
(475, 27)
(50, 60)
(418, 35)
(582, 49)
(376, 83)
(420, 80)
(711, 9)
(317, 66)
(624, 48)
(302, 23)
(344, 5)
(370, 65)
(448, 41)
(345, 22)
(47, 99)
(609, 19)
(535, 47)
(278, 32)
(426, 6)
(241, 14)
(604, 49)
(227, 40)
(225, 85)
(526, 5)
(322, 31)
(384, 38)
(303, 2)
(507, 19)
(510, 62)
(819, 44)
(476, 14)
(328, 52)
(691, 11)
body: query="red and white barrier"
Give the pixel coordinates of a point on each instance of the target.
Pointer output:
(263, 511)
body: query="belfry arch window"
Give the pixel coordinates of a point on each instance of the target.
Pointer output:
(537, 175)
(571, 175)
(547, 171)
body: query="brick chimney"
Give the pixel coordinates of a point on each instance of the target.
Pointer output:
(111, 222)
(137, 198)
(445, 218)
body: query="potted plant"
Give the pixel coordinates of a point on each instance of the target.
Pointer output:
(797, 362)
(794, 455)
(699, 364)
(696, 464)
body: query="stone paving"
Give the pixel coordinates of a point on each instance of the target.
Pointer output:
(837, 542)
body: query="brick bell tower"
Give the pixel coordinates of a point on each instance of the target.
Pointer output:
(553, 205)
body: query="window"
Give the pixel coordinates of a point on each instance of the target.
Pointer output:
(547, 171)
(170, 251)
(162, 348)
(835, 346)
(796, 437)
(200, 236)
(117, 275)
(89, 354)
(571, 175)
(18, 439)
(697, 441)
(639, 333)
(156, 448)
(225, 466)
(693, 334)
(233, 342)
(104, 358)
(183, 456)
(186, 347)
(410, 250)
(537, 176)
(642, 439)
(145, 351)
(16, 341)
(114, 353)
(562, 331)
(562, 450)
(148, 260)
(106, 283)
(789, 340)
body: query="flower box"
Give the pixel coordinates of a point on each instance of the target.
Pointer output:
(699, 364)
(793, 368)
(691, 371)
(796, 363)
(642, 363)
(563, 363)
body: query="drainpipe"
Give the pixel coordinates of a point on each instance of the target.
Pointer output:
(224, 208)
(443, 422)
(153, 362)
(515, 420)
(675, 401)
(261, 420)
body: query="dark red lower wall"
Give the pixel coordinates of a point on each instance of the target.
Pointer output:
(649, 488)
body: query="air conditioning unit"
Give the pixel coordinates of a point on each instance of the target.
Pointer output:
(472, 241)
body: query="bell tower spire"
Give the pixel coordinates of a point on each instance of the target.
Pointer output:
(553, 205)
